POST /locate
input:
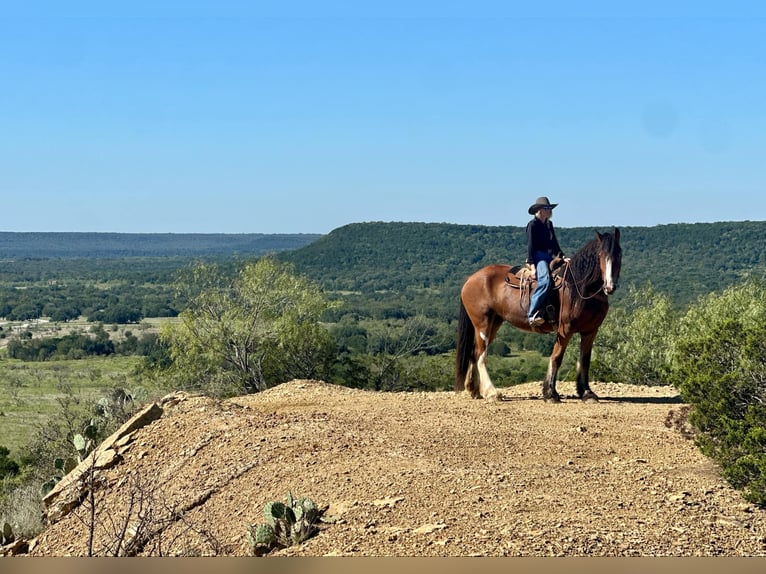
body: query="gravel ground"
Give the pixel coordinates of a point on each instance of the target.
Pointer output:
(420, 474)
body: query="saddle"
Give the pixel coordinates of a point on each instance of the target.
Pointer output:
(519, 276)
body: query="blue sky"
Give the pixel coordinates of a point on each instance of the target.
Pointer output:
(290, 117)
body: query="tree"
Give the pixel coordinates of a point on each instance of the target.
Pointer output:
(397, 340)
(248, 332)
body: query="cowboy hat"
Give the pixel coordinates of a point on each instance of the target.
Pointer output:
(540, 203)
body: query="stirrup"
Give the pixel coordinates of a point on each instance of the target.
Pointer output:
(536, 320)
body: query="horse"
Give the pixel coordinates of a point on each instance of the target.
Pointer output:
(487, 299)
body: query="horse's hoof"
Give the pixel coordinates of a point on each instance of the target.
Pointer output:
(553, 399)
(495, 396)
(589, 397)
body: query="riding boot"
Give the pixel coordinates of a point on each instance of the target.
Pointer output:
(550, 313)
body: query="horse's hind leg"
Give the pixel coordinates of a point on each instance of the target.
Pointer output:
(476, 374)
(486, 388)
(471, 378)
(485, 337)
(583, 367)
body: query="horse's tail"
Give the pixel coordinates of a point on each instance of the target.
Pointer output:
(466, 339)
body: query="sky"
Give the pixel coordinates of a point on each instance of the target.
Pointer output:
(300, 117)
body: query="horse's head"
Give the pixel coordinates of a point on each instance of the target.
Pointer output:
(610, 259)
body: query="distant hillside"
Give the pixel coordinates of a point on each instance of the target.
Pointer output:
(683, 260)
(34, 245)
(409, 260)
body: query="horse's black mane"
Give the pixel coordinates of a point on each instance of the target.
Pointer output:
(584, 274)
(584, 265)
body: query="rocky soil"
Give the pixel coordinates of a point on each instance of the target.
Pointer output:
(416, 474)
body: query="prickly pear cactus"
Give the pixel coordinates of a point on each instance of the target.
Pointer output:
(264, 534)
(260, 538)
(286, 524)
(274, 511)
(308, 509)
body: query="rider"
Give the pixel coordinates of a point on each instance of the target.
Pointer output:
(542, 247)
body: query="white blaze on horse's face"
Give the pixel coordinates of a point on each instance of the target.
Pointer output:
(611, 262)
(609, 285)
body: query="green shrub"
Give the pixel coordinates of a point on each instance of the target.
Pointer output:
(248, 331)
(719, 366)
(634, 343)
(8, 466)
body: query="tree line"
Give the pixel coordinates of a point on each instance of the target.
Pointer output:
(378, 270)
(682, 260)
(78, 345)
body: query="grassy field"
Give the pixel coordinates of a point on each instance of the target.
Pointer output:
(30, 392)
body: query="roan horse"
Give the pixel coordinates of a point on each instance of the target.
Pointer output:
(487, 299)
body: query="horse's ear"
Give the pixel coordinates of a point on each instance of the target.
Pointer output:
(617, 234)
(599, 236)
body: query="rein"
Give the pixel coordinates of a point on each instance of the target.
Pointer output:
(577, 287)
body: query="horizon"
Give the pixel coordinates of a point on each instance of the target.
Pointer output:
(290, 117)
(558, 227)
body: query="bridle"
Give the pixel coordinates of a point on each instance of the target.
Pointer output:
(568, 268)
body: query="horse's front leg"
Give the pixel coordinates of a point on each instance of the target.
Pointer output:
(549, 385)
(583, 367)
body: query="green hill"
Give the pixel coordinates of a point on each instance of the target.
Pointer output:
(381, 270)
(682, 260)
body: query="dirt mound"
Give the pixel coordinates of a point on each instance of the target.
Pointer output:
(416, 474)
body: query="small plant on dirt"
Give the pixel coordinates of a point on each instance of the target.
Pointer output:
(286, 524)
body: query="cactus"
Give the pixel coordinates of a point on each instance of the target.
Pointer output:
(85, 442)
(274, 511)
(62, 467)
(261, 538)
(264, 534)
(83, 445)
(286, 524)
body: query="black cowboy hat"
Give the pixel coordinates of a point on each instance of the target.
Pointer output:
(542, 202)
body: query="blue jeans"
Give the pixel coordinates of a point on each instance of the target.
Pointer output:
(542, 260)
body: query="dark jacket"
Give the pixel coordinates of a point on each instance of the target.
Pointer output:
(541, 237)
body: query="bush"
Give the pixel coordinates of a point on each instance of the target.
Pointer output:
(8, 466)
(21, 508)
(248, 331)
(633, 345)
(719, 366)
